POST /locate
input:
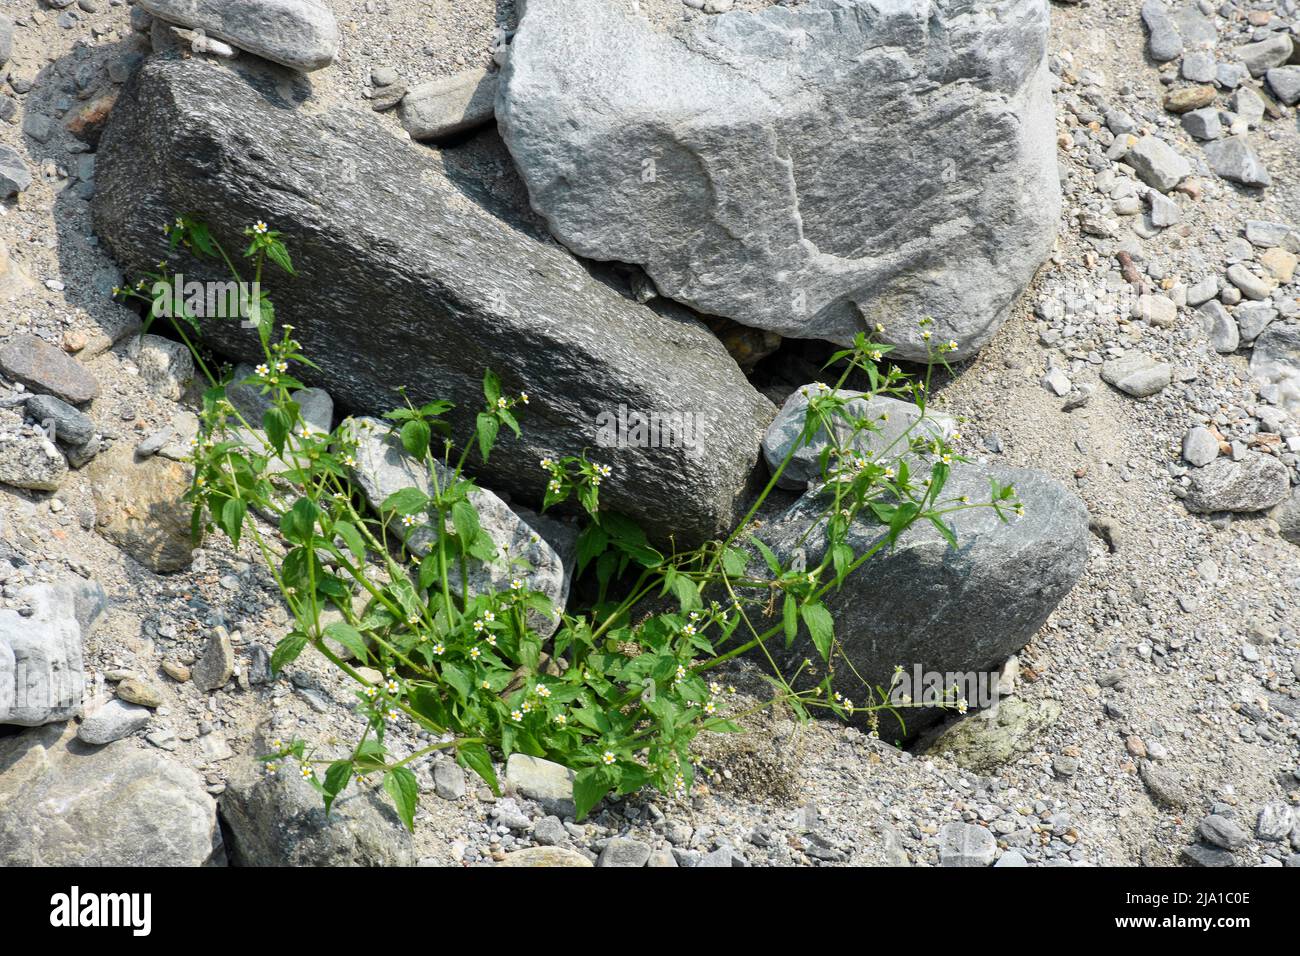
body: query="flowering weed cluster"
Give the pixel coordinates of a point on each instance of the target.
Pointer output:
(616, 693)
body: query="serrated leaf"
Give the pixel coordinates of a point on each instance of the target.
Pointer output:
(347, 635)
(401, 785)
(821, 627)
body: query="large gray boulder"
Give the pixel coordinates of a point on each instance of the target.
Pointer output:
(812, 169)
(41, 678)
(67, 803)
(300, 34)
(402, 278)
(279, 820)
(945, 610)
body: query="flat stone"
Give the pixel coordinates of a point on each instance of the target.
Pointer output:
(449, 105)
(818, 204)
(66, 803)
(1157, 163)
(1137, 374)
(623, 852)
(1280, 263)
(41, 675)
(1203, 124)
(31, 461)
(1164, 42)
(114, 720)
(1253, 318)
(216, 665)
(136, 691)
(44, 368)
(1223, 832)
(71, 427)
(1285, 81)
(140, 507)
(1189, 98)
(985, 742)
(165, 365)
(548, 783)
(1251, 285)
(279, 820)
(448, 780)
(300, 34)
(1200, 447)
(1233, 158)
(15, 177)
(1201, 855)
(1276, 361)
(545, 856)
(964, 844)
(1261, 56)
(1256, 483)
(1221, 327)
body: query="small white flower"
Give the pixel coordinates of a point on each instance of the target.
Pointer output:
(439, 648)
(517, 584)
(608, 757)
(516, 715)
(543, 691)
(409, 521)
(259, 227)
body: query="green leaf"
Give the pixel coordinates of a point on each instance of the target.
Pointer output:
(591, 544)
(232, 519)
(790, 618)
(276, 423)
(462, 681)
(821, 627)
(352, 538)
(415, 437)
(734, 562)
(590, 787)
(287, 651)
(298, 524)
(491, 387)
(476, 757)
(486, 427)
(772, 563)
(336, 781)
(401, 785)
(408, 501)
(465, 519)
(347, 635)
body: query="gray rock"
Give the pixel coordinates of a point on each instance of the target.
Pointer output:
(140, 507)
(44, 368)
(1264, 234)
(1012, 858)
(1221, 327)
(41, 678)
(383, 467)
(279, 820)
(818, 204)
(896, 425)
(448, 780)
(1203, 291)
(1157, 163)
(1200, 447)
(948, 611)
(1198, 66)
(545, 856)
(300, 34)
(1255, 483)
(15, 177)
(721, 857)
(1201, 855)
(1223, 832)
(1285, 81)
(31, 461)
(1164, 42)
(621, 851)
(462, 287)
(1252, 319)
(1248, 105)
(1137, 374)
(216, 665)
(1164, 211)
(1203, 123)
(165, 365)
(71, 427)
(964, 844)
(449, 105)
(1233, 158)
(548, 783)
(549, 831)
(1274, 821)
(1164, 786)
(113, 721)
(1251, 285)
(6, 38)
(985, 742)
(1287, 516)
(65, 803)
(1261, 56)
(1276, 361)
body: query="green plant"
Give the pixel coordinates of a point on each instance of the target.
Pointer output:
(618, 693)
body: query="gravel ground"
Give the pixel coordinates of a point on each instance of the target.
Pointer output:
(1178, 652)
